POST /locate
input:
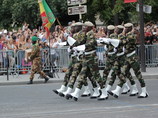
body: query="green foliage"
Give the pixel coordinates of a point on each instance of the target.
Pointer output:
(16, 12)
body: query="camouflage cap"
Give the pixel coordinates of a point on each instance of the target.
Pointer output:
(111, 27)
(34, 38)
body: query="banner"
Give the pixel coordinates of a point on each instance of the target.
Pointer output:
(129, 1)
(47, 16)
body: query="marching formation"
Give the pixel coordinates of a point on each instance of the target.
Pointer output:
(120, 47)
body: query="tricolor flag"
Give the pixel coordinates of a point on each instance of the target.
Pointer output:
(129, 1)
(47, 16)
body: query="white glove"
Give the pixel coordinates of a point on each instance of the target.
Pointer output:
(69, 50)
(98, 41)
(105, 40)
(115, 49)
(66, 35)
(105, 48)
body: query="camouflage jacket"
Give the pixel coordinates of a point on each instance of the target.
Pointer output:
(35, 52)
(88, 40)
(111, 47)
(121, 45)
(130, 42)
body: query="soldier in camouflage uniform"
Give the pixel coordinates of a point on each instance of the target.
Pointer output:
(35, 57)
(111, 53)
(132, 59)
(70, 68)
(89, 63)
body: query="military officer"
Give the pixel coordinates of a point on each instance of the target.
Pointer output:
(36, 61)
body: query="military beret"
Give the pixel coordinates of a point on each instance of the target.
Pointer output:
(128, 25)
(88, 23)
(111, 27)
(34, 38)
(120, 26)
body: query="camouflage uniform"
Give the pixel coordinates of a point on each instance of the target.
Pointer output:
(89, 62)
(110, 60)
(71, 65)
(35, 57)
(120, 61)
(132, 59)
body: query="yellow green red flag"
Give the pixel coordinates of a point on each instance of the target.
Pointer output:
(47, 16)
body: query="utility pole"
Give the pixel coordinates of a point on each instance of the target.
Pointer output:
(116, 21)
(142, 45)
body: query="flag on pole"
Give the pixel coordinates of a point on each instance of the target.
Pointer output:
(47, 16)
(129, 1)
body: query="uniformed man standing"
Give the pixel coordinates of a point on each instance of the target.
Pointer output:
(35, 58)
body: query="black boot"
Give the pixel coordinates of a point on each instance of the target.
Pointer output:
(46, 79)
(30, 82)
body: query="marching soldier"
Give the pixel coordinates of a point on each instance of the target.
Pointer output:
(70, 67)
(36, 61)
(110, 56)
(132, 60)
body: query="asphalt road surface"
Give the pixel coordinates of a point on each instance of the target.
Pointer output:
(38, 101)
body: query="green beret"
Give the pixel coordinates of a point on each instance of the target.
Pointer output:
(34, 38)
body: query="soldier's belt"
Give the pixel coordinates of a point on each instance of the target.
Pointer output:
(111, 53)
(130, 54)
(90, 52)
(120, 54)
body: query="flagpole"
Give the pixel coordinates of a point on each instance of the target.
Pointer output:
(59, 23)
(50, 61)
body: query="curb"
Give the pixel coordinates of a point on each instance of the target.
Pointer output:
(60, 80)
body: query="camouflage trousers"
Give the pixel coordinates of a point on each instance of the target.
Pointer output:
(36, 68)
(69, 71)
(117, 70)
(90, 65)
(132, 62)
(76, 70)
(112, 63)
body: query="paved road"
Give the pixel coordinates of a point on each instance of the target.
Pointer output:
(38, 101)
